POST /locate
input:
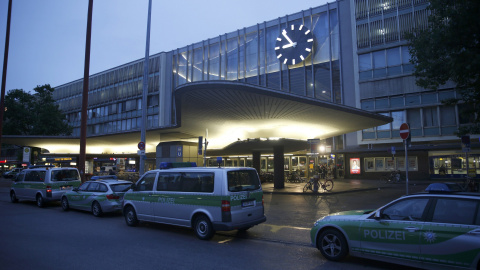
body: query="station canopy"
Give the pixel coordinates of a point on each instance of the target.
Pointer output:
(234, 114)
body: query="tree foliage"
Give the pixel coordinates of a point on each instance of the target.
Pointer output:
(34, 114)
(449, 50)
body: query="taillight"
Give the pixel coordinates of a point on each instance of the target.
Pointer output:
(49, 189)
(113, 197)
(225, 206)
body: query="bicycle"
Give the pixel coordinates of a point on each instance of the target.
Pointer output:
(326, 185)
(393, 177)
(469, 184)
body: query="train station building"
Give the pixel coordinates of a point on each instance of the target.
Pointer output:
(329, 85)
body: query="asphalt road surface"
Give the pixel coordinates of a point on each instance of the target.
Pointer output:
(49, 238)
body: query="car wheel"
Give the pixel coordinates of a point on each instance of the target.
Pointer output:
(96, 209)
(65, 205)
(332, 244)
(40, 202)
(203, 228)
(13, 197)
(130, 216)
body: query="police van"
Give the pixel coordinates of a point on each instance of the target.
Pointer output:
(43, 184)
(207, 199)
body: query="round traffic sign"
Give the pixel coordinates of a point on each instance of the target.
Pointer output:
(404, 131)
(141, 146)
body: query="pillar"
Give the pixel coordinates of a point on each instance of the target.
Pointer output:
(256, 160)
(278, 167)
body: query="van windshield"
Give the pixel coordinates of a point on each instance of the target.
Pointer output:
(65, 175)
(243, 180)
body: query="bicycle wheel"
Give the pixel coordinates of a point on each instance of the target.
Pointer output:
(307, 186)
(328, 185)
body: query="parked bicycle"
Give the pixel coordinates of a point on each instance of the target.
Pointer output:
(393, 177)
(469, 184)
(314, 184)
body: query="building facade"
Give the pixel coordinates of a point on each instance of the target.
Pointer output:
(359, 58)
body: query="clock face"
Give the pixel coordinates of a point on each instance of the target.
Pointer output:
(294, 44)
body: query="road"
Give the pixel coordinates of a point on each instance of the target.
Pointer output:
(50, 238)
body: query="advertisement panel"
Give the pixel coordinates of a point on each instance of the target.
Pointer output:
(355, 166)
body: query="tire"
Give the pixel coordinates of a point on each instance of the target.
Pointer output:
(203, 228)
(40, 201)
(65, 205)
(97, 209)
(13, 197)
(130, 216)
(328, 185)
(332, 244)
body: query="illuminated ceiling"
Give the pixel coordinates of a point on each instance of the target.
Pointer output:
(231, 112)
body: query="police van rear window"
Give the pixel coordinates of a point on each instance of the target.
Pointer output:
(65, 175)
(242, 180)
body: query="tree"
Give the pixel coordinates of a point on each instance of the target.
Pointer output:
(34, 114)
(449, 50)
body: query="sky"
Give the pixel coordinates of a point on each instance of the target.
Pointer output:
(47, 37)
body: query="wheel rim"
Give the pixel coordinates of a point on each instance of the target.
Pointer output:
(331, 245)
(39, 200)
(202, 227)
(12, 197)
(130, 216)
(64, 203)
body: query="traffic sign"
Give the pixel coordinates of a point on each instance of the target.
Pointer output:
(141, 145)
(404, 131)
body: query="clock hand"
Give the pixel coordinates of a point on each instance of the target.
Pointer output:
(289, 45)
(284, 33)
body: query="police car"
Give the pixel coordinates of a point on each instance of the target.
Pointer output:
(207, 199)
(436, 229)
(102, 194)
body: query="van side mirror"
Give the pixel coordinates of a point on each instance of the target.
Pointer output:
(377, 215)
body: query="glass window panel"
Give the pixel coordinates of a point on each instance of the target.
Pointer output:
(378, 59)
(297, 81)
(396, 102)
(393, 57)
(197, 64)
(182, 68)
(381, 103)
(412, 100)
(430, 118)
(261, 42)
(214, 63)
(429, 98)
(273, 64)
(232, 58)
(414, 120)
(334, 34)
(367, 105)
(322, 81)
(405, 55)
(251, 54)
(447, 115)
(365, 62)
(446, 95)
(223, 60)
(398, 119)
(465, 114)
(241, 59)
(322, 38)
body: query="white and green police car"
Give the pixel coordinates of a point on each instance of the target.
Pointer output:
(437, 229)
(43, 184)
(207, 199)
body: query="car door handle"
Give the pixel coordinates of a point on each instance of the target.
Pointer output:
(411, 229)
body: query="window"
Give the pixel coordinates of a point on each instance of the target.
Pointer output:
(447, 116)
(146, 183)
(398, 119)
(430, 118)
(455, 211)
(364, 62)
(94, 186)
(413, 116)
(243, 180)
(120, 187)
(84, 186)
(65, 175)
(408, 209)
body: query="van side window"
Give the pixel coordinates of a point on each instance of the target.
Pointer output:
(20, 177)
(65, 175)
(93, 187)
(185, 182)
(146, 182)
(243, 180)
(35, 176)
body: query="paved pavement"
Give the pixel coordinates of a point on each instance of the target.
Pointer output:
(340, 186)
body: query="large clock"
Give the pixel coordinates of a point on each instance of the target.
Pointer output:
(294, 44)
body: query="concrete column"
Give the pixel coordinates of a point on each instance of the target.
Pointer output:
(278, 167)
(256, 160)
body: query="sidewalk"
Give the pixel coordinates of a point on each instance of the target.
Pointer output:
(346, 185)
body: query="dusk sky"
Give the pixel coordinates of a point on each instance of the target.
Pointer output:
(47, 37)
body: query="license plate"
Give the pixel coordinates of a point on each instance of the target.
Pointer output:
(248, 203)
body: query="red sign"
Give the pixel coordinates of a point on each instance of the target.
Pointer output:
(141, 146)
(355, 166)
(404, 131)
